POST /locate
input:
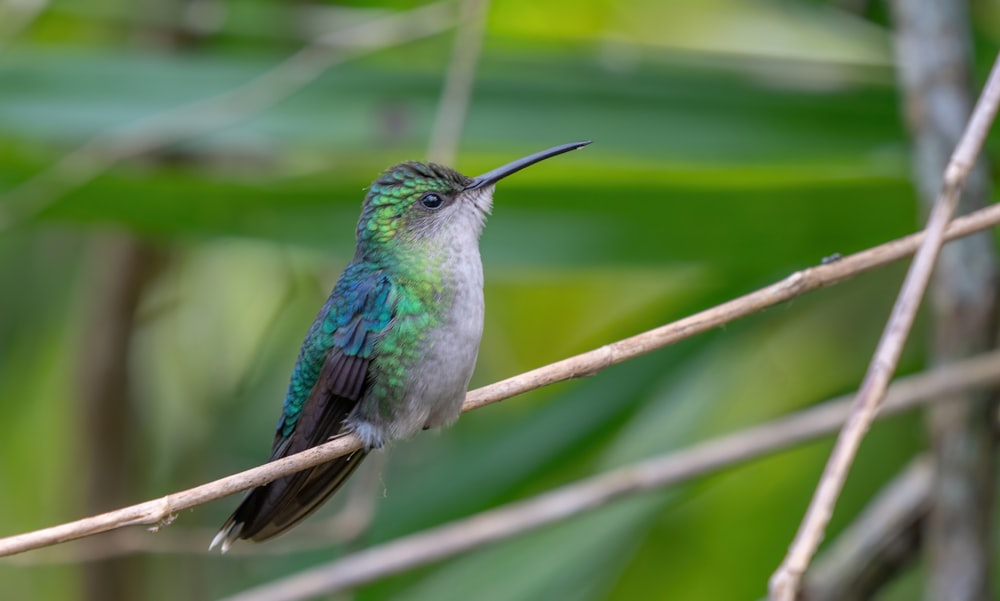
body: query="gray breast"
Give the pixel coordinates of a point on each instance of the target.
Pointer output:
(438, 382)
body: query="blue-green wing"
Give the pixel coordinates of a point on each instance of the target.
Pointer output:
(329, 378)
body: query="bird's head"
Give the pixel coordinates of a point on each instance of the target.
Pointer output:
(413, 202)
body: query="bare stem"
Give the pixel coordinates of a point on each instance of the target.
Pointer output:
(786, 581)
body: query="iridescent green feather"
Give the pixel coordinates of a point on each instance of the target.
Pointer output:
(391, 282)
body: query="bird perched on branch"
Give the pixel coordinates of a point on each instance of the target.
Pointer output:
(393, 348)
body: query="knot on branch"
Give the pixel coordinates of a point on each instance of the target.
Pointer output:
(598, 359)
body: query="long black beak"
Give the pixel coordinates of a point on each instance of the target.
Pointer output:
(492, 177)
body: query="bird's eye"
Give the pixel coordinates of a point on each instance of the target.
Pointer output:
(431, 200)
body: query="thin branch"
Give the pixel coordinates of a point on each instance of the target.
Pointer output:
(786, 581)
(591, 362)
(224, 110)
(343, 528)
(881, 541)
(507, 521)
(457, 92)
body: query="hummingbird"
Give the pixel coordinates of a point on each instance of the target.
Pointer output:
(392, 350)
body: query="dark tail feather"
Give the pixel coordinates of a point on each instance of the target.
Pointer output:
(270, 510)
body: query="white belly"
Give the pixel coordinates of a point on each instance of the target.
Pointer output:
(440, 380)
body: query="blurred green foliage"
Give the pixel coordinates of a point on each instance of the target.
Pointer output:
(734, 142)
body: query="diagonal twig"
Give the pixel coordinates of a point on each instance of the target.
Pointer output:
(786, 580)
(157, 510)
(884, 539)
(224, 110)
(359, 510)
(457, 92)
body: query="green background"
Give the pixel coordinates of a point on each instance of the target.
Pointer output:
(734, 143)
